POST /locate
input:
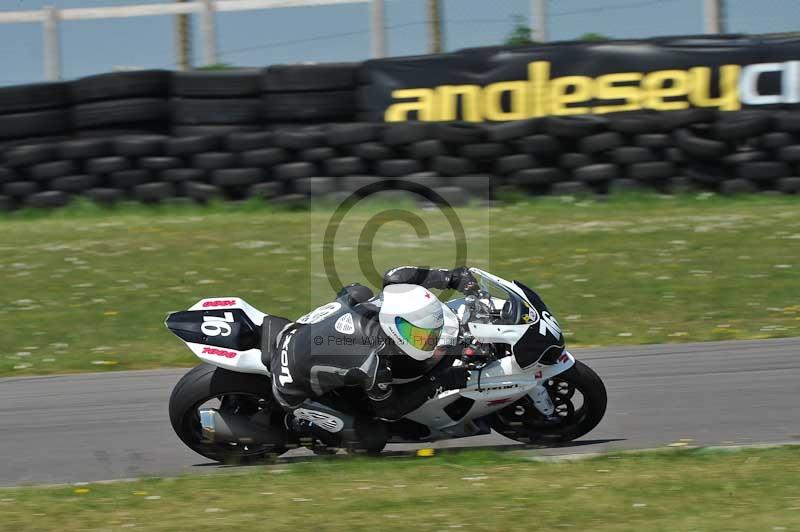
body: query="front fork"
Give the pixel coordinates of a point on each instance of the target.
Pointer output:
(539, 394)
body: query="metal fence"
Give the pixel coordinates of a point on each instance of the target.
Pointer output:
(51, 20)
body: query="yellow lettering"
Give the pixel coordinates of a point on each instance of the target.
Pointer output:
(539, 76)
(447, 98)
(423, 105)
(493, 101)
(700, 89)
(561, 96)
(610, 87)
(663, 84)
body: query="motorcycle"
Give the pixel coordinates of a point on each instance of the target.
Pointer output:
(523, 382)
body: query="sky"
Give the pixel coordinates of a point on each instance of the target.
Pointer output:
(341, 32)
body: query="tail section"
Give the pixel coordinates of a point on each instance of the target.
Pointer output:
(223, 331)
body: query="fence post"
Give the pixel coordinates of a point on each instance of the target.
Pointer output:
(52, 44)
(378, 27)
(209, 29)
(539, 31)
(714, 17)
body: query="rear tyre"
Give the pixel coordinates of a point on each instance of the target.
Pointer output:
(580, 400)
(204, 383)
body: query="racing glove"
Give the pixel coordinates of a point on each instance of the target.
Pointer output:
(462, 280)
(453, 378)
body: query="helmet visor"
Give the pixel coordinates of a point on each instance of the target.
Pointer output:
(419, 337)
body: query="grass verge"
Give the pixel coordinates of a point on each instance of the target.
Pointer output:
(87, 289)
(479, 490)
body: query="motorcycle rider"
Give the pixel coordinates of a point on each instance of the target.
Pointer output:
(391, 346)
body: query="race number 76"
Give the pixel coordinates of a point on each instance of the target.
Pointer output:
(217, 325)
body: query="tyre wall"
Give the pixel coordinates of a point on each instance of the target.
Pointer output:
(285, 133)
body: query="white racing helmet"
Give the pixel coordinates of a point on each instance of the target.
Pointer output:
(413, 317)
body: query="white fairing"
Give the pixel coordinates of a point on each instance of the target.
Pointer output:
(498, 385)
(242, 361)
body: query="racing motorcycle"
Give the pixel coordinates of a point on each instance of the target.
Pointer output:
(523, 383)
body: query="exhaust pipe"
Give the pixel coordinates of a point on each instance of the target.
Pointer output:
(219, 427)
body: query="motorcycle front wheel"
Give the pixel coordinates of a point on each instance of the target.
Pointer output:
(579, 397)
(238, 393)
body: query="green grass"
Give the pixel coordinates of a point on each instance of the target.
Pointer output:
(86, 289)
(479, 490)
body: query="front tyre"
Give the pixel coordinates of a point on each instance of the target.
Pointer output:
(238, 393)
(579, 397)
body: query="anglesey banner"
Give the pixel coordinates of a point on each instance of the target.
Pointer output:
(512, 83)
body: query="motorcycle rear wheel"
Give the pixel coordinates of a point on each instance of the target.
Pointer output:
(244, 391)
(523, 422)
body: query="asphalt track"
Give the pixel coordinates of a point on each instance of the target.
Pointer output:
(114, 425)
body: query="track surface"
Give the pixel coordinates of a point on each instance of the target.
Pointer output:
(113, 425)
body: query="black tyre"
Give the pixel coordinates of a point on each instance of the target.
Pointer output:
(653, 140)
(318, 154)
(397, 167)
(216, 83)
(742, 125)
(137, 83)
(32, 97)
(20, 189)
(514, 163)
(213, 160)
(789, 154)
(33, 124)
(537, 177)
(426, 149)
(459, 132)
(633, 154)
(776, 140)
(246, 394)
(580, 400)
(105, 196)
(154, 192)
(597, 173)
(788, 121)
(347, 134)
(74, 184)
(574, 126)
(30, 155)
(52, 170)
(700, 147)
(453, 166)
(375, 151)
(539, 145)
(264, 157)
(301, 139)
(106, 165)
(601, 142)
(229, 177)
(515, 129)
(763, 170)
(182, 146)
(113, 112)
(652, 171)
(215, 111)
(48, 199)
(128, 179)
(249, 140)
(574, 160)
(307, 106)
(400, 133)
(180, 175)
(83, 148)
(484, 151)
(290, 171)
(635, 123)
(303, 78)
(139, 145)
(160, 163)
(341, 166)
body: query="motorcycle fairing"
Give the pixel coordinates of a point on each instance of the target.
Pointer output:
(496, 386)
(222, 331)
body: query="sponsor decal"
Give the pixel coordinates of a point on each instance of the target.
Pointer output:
(286, 377)
(538, 374)
(345, 324)
(219, 303)
(548, 324)
(219, 352)
(320, 313)
(495, 402)
(563, 358)
(727, 87)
